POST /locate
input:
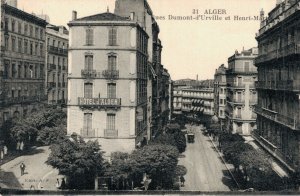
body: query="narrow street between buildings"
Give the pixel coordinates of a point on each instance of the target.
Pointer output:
(205, 169)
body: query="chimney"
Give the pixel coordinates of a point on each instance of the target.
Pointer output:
(13, 3)
(74, 15)
(61, 29)
(197, 77)
(132, 15)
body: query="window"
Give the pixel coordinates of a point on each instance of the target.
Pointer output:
(6, 24)
(36, 48)
(26, 29)
(111, 90)
(19, 71)
(247, 68)
(88, 90)
(19, 27)
(42, 71)
(25, 46)
(87, 124)
(31, 48)
(20, 49)
(41, 49)
(110, 121)
(112, 36)
(25, 71)
(5, 116)
(13, 44)
(31, 30)
(14, 70)
(112, 63)
(13, 25)
(36, 32)
(6, 44)
(89, 36)
(88, 62)
(41, 34)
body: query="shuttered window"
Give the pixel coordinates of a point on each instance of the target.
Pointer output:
(87, 129)
(112, 36)
(88, 90)
(110, 121)
(112, 63)
(88, 62)
(89, 36)
(111, 90)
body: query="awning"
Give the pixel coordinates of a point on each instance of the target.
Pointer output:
(202, 110)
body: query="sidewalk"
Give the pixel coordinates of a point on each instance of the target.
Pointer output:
(37, 173)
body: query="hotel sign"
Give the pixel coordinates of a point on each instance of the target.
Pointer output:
(101, 102)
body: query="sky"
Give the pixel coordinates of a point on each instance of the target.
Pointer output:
(190, 47)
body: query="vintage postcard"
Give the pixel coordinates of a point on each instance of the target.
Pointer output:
(168, 97)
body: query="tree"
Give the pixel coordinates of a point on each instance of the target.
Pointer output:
(159, 161)
(81, 162)
(50, 135)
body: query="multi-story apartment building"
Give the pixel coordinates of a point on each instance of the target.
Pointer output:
(194, 102)
(241, 94)
(57, 63)
(107, 81)
(143, 15)
(278, 112)
(220, 87)
(22, 61)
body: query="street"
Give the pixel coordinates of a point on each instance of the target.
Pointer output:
(205, 169)
(37, 173)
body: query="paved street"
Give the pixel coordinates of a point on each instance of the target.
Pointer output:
(206, 171)
(37, 172)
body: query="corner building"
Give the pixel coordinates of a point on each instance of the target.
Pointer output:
(241, 76)
(107, 81)
(278, 83)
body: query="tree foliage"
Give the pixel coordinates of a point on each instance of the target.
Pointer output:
(159, 161)
(78, 160)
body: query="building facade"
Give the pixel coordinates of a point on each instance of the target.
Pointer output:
(142, 14)
(107, 81)
(278, 83)
(22, 61)
(194, 102)
(241, 93)
(57, 64)
(220, 89)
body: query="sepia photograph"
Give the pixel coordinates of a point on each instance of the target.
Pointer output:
(150, 97)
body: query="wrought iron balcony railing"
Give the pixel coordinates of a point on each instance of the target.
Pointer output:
(110, 133)
(87, 133)
(111, 74)
(88, 73)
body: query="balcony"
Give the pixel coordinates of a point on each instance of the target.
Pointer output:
(99, 102)
(111, 74)
(51, 67)
(87, 133)
(64, 68)
(24, 99)
(279, 118)
(110, 133)
(281, 85)
(285, 51)
(88, 73)
(56, 50)
(51, 85)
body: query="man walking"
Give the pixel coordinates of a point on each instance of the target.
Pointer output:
(22, 167)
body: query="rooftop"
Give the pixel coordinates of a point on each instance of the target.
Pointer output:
(107, 16)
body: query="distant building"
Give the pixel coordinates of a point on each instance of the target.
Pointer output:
(107, 81)
(220, 88)
(57, 64)
(278, 85)
(241, 76)
(22, 63)
(194, 101)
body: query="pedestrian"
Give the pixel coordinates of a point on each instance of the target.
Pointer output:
(57, 184)
(22, 146)
(5, 150)
(32, 187)
(2, 155)
(63, 184)
(18, 146)
(182, 180)
(22, 167)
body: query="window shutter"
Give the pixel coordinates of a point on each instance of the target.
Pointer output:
(110, 38)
